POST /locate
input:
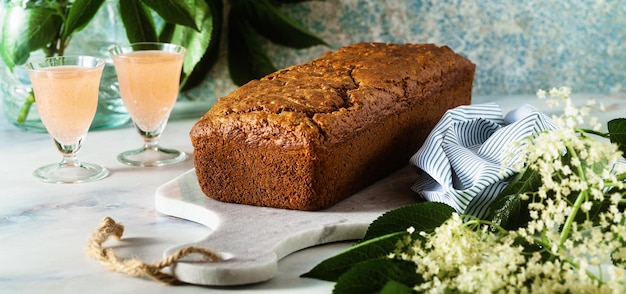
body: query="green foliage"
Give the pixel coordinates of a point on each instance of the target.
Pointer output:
(565, 207)
(195, 24)
(332, 269)
(27, 30)
(31, 25)
(138, 22)
(394, 287)
(382, 275)
(178, 11)
(247, 59)
(508, 210)
(80, 13)
(422, 217)
(365, 267)
(196, 42)
(188, 23)
(274, 25)
(617, 133)
(213, 23)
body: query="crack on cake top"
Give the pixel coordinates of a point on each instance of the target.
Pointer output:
(324, 85)
(310, 88)
(342, 91)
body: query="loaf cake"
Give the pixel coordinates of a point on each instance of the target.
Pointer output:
(310, 135)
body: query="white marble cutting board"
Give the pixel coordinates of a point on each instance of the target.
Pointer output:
(252, 240)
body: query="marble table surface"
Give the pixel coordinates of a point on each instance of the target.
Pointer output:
(44, 227)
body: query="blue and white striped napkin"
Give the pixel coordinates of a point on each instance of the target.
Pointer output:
(461, 159)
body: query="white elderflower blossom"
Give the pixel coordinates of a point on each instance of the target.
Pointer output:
(575, 221)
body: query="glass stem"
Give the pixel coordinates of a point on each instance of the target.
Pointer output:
(151, 138)
(69, 153)
(70, 160)
(151, 144)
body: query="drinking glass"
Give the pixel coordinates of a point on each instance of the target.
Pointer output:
(149, 77)
(66, 91)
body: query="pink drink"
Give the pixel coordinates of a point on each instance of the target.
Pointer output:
(149, 82)
(67, 98)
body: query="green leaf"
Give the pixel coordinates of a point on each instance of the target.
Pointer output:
(595, 212)
(508, 210)
(211, 54)
(383, 237)
(617, 133)
(527, 180)
(597, 207)
(374, 275)
(167, 31)
(138, 21)
(395, 287)
(246, 58)
(195, 42)
(331, 269)
(80, 14)
(25, 30)
(181, 12)
(425, 216)
(505, 211)
(274, 24)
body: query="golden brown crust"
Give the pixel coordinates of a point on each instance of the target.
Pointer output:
(310, 135)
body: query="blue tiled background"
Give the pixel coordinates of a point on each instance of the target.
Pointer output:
(518, 46)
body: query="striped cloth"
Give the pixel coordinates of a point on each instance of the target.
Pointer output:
(461, 160)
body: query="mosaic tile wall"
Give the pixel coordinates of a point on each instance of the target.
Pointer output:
(518, 46)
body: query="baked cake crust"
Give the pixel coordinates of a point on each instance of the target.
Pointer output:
(310, 135)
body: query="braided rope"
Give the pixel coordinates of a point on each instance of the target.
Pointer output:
(133, 267)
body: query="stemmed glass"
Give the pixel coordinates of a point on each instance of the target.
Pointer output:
(149, 77)
(66, 90)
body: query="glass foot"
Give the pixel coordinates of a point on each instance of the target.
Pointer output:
(150, 157)
(67, 174)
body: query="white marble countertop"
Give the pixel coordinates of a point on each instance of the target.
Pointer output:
(44, 227)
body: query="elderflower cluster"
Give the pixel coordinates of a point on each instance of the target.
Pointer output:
(576, 225)
(461, 257)
(457, 256)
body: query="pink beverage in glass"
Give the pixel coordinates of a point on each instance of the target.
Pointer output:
(67, 98)
(149, 77)
(66, 95)
(149, 82)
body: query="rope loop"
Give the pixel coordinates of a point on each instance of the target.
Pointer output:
(133, 267)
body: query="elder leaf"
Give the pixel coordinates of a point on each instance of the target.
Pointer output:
(505, 211)
(331, 269)
(525, 181)
(617, 133)
(508, 210)
(425, 216)
(395, 287)
(382, 237)
(375, 275)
